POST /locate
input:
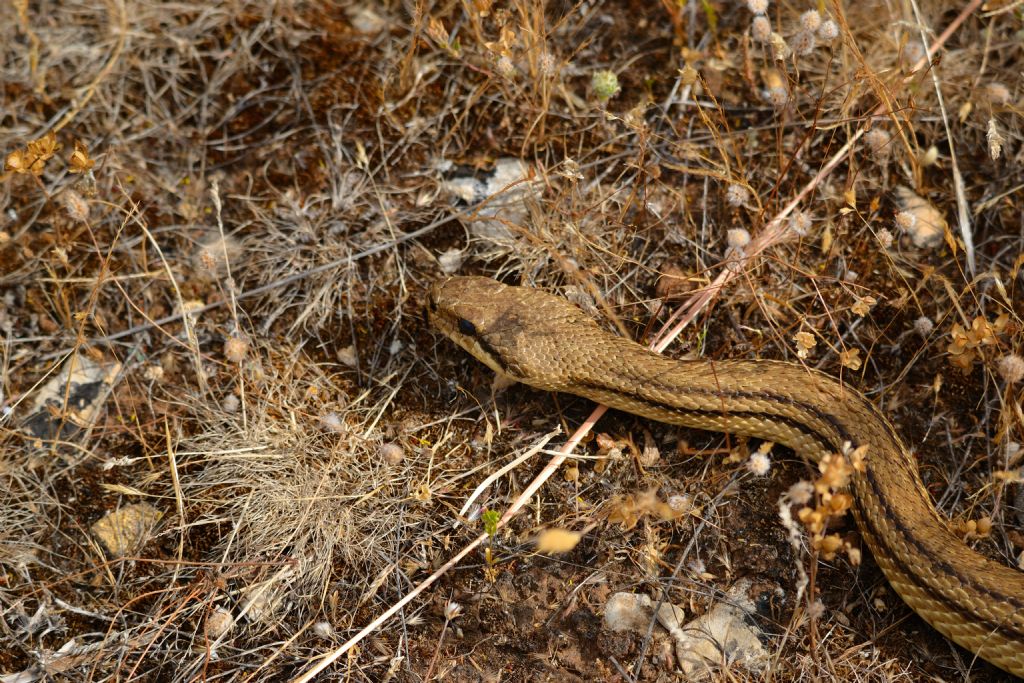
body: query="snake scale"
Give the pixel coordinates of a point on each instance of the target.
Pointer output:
(546, 342)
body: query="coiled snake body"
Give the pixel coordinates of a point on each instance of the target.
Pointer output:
(546, 342)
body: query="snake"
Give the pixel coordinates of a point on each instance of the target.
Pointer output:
(546, 342)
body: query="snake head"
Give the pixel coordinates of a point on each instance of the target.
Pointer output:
(516, 331)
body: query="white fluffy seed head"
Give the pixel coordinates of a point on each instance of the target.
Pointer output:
(885, 238)
(680, 502)
(547, 64)
(506, 68)
(800, 223)
(213, 254)
(235, 348)
(1011, 368)
(905, 221)
(759, 463)
(737, 238)
(757, 6)
(924, 326)
(800, 493)
(777, 97)
(810, 20)
(828, 31)
(780, 48)
(77, 206)
(803, 43)
(332, 422)
(761, 28)
(997, 93)
(230, 404)
(737, 195)
(877, 140)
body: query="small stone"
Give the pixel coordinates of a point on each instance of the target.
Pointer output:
(628, 612)
(723, 635)
(126, 529)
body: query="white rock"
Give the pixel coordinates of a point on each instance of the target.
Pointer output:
(503, 195)
(628, 612)
(724, 635)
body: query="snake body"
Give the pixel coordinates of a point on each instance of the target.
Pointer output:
(546, 342)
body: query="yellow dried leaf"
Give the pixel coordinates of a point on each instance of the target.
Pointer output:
(553, 541)
(826, 238)
(437, 31)
(123, 489)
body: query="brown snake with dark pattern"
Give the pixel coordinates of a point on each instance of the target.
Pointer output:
(546, 342)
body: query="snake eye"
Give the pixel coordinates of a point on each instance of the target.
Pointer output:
(466, 327)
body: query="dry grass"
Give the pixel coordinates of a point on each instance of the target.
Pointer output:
(277, 171)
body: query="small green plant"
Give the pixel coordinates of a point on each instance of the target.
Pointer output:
(490, 519)
(605, 85)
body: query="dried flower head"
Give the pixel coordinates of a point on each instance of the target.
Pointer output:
(505, 67)
(885, 238)
(757, 6)
(391, 453)
(547, 65)
(777, 97)
(905, 221)
(877, 140)
(995, 140)
(213, 255)
(967, 344)
(737, 195)
(780, 48)
(32, 159)
(800, 223)
(80, 161)
(77, 206)
(235, 348)
(805, 341)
